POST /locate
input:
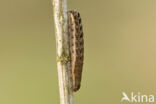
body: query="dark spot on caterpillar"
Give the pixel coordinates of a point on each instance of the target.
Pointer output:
(78, 14)
(80, 27)
(80, 58)
(79, 20)
(81, 35)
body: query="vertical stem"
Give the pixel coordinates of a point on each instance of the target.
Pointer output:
(63, 53)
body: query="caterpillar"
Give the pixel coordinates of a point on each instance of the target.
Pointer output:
(76, 45)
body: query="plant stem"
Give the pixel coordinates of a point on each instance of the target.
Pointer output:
(63, 53)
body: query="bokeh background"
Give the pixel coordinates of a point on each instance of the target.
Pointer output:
(120, 51)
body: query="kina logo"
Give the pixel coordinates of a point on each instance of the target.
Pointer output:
(137, 98)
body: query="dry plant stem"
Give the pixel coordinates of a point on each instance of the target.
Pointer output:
(63, 53)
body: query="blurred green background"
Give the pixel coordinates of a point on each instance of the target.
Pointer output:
(120, 51)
